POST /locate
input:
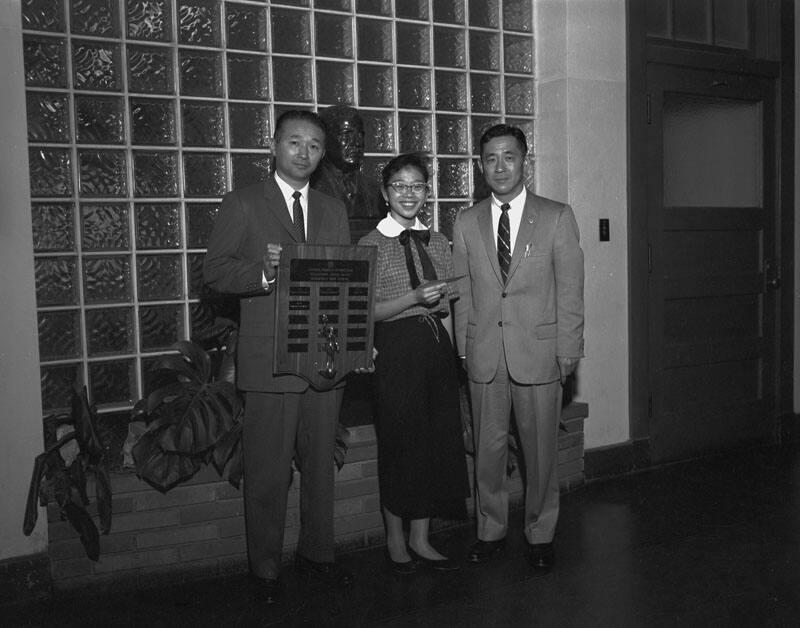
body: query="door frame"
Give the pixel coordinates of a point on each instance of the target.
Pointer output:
(640, 53)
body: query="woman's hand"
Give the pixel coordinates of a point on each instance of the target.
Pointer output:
(430, 292)
(361, 370)
(426, 294)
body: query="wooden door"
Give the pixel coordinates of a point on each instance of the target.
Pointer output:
(712, 292)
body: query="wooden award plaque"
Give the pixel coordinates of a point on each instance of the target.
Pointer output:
(323, 318)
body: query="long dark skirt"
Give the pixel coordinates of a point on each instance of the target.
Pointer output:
(421, 461)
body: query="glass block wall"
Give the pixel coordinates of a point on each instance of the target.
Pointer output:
(143, 113)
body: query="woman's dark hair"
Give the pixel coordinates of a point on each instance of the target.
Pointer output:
(502, 130)
(406, 160)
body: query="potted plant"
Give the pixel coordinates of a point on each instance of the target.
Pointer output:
(60, 473)
(195, 417)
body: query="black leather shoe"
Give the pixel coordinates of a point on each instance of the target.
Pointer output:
(484, 550)
(441, 564)
(267, 589)
(541, 556)
(329, 573)
(402, 568)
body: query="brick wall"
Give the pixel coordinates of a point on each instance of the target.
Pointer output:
(197, 529)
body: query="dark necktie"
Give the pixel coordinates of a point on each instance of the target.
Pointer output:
(504, 241)
(420, 237)
(297, 217)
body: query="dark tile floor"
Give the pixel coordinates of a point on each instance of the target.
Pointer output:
(714, 542)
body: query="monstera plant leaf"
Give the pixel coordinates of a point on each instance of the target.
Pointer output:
(341, 445)
(196, 411)
(188, 419)
(162, 469)
(83, 418)
(34, 494)
(103, 498)
(221, 348)
(87, 530)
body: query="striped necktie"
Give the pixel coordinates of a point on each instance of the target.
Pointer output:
(504, 241)
(297, 217)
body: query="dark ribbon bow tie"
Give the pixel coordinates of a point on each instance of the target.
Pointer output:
(421, 235)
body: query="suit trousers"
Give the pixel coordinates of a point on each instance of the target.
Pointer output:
(278, 426)
(537, 410)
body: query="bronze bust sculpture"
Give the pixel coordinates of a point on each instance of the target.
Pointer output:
(339, 174)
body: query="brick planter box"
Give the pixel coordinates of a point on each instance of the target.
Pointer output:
(197, 530)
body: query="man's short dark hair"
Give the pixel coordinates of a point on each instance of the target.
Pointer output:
(302, 115)
(502, 130)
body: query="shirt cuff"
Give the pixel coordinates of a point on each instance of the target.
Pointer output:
(266, 283)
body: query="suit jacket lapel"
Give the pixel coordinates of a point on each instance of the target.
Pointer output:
(487, 232)
(277, 205)
(524, 241)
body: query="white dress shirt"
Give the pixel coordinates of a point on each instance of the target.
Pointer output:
(287, 191)
(514, 215)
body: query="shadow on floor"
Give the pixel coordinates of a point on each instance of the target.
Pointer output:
(708, 542)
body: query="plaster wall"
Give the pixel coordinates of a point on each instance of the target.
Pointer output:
(581, 158)
(21, 414)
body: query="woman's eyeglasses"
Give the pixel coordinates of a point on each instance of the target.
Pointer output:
(405, 188)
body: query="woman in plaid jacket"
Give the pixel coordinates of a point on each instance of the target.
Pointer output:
(421, 461)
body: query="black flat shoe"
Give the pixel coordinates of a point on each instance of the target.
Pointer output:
(267, 589)
(402, 568)
(484, 550)
(442, 564)
(329, 573)
(541, 556)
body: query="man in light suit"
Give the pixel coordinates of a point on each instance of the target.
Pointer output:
(283, 414)
(519, 331)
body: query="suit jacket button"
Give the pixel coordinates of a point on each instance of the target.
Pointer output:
(499, 323)
(503, 295)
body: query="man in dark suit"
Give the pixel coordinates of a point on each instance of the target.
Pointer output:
(519, 330)
(283, 415)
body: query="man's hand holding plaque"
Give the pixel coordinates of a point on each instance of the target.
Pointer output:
(271, 261)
